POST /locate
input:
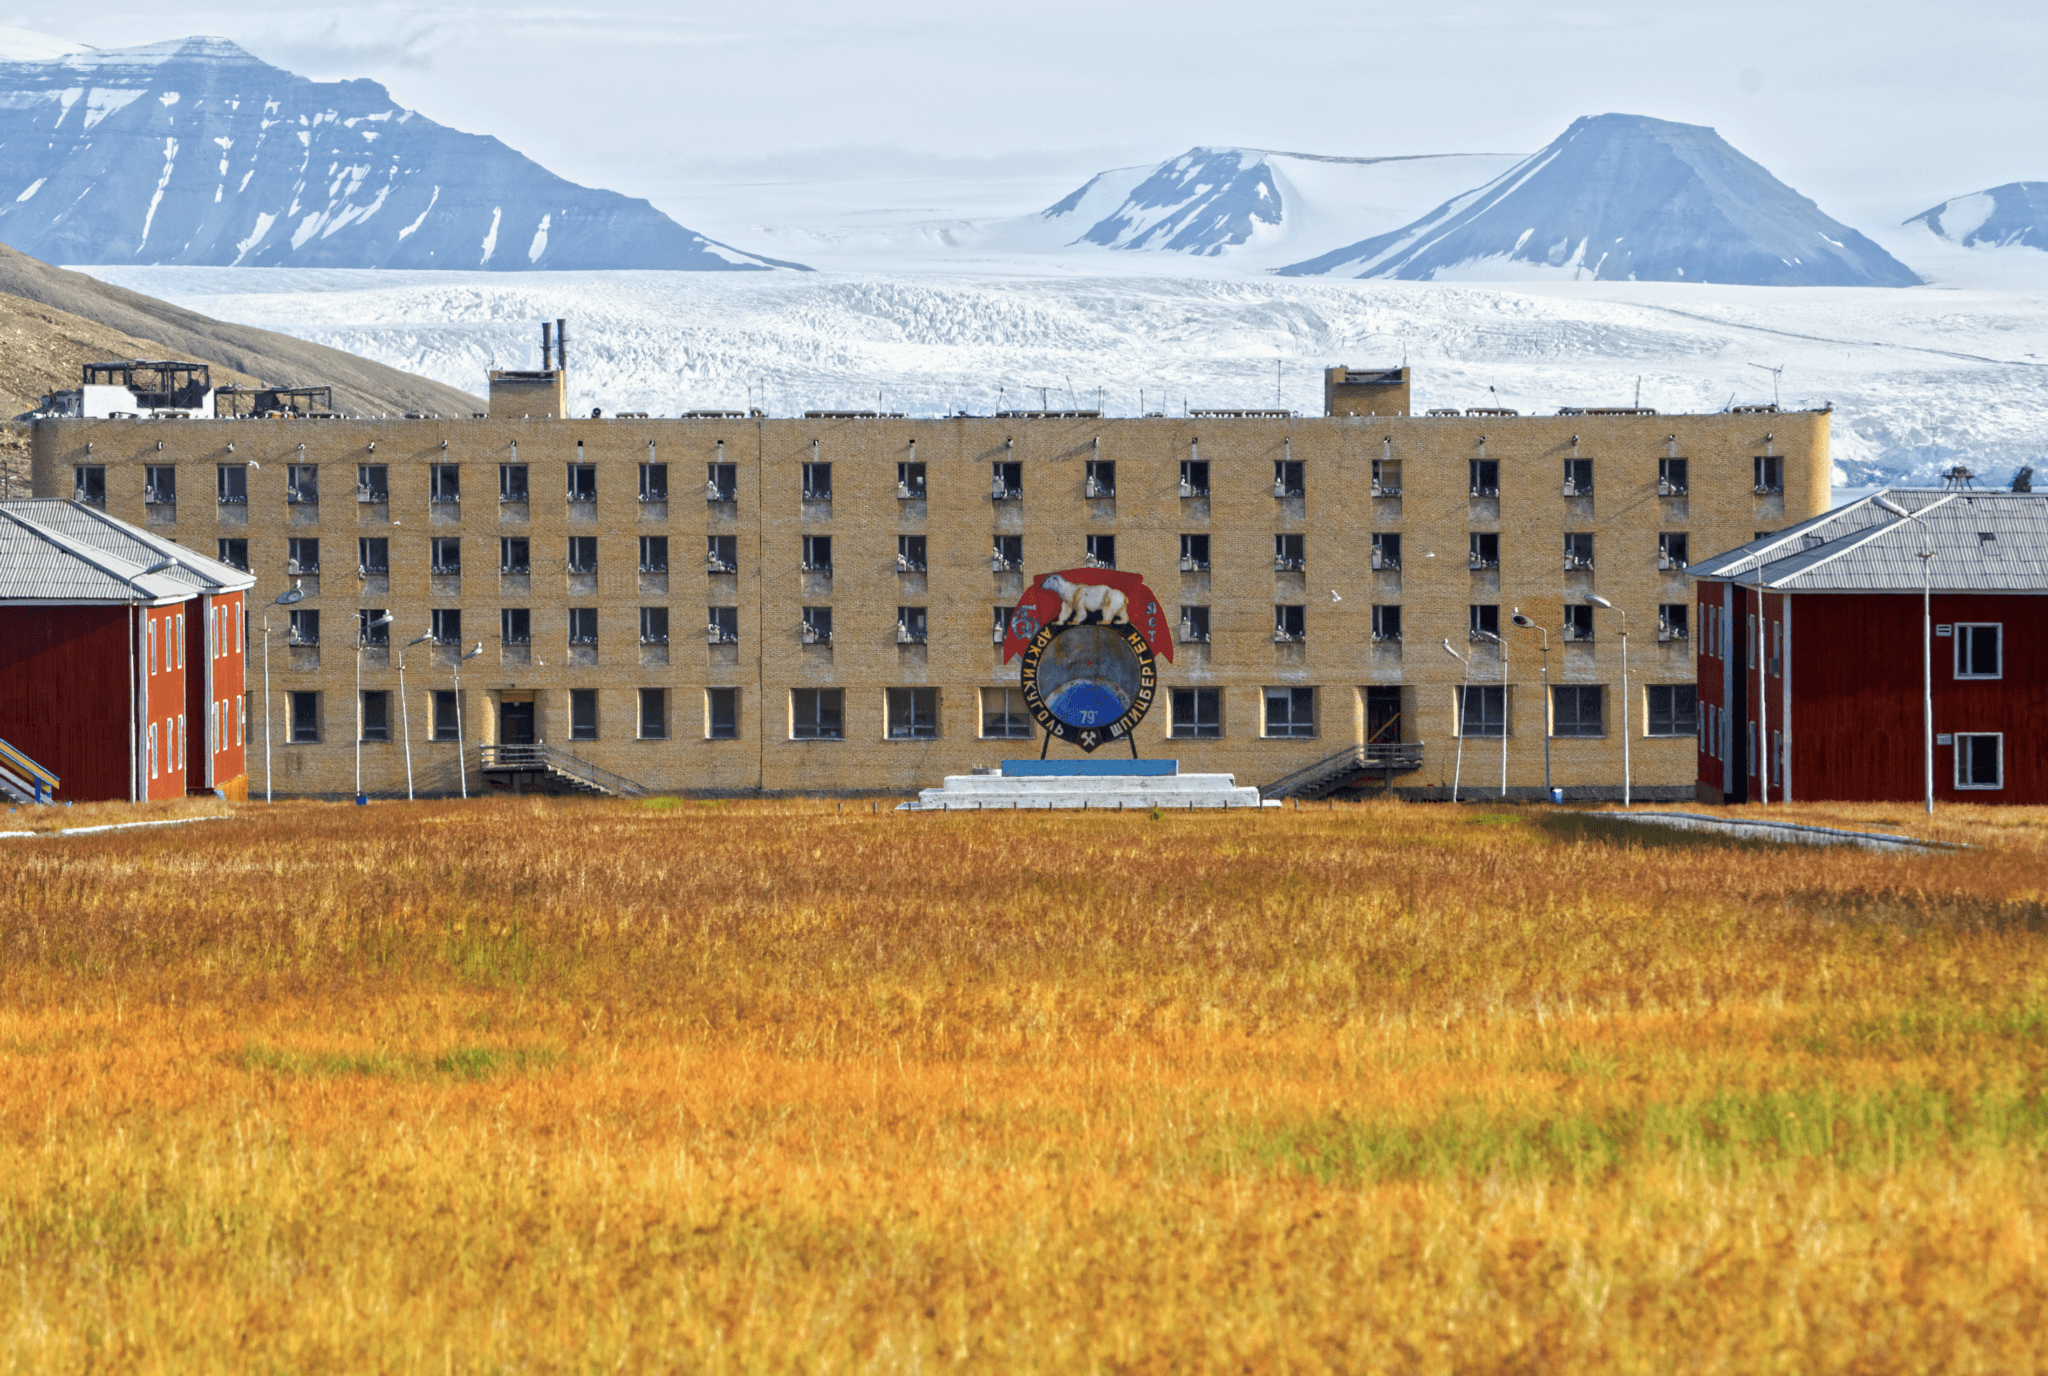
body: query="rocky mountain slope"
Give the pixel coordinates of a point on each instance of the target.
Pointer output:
(2016, 213)
(54, 320)
(1625, 197)
(196, 152)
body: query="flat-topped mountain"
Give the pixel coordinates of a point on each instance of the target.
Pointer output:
(2016, 213)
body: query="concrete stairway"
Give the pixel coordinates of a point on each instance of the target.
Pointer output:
(1097, 785)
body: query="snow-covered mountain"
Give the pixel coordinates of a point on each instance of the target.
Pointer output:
(2013, 214)
(1625, 197)
(1249, 203)
(197, 152)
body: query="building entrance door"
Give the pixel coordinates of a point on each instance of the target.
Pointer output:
(515, 723)
(1383, 716)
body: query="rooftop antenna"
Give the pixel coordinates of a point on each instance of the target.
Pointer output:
(1072, 400)
(1639, 391)
(1774, 372)
(1276, 384)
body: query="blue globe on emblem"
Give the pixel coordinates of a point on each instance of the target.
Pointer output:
(1086, 702)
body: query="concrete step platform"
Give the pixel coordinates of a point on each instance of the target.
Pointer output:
(1096, 790)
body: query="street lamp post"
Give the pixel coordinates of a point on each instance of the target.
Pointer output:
(1526, 624)
(363, 629)
(405, 712)
(461, 750)
(284, 599)
(1926, 557)
(1464, 691)
(1598, 601)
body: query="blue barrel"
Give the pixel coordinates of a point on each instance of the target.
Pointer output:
(1556, 795)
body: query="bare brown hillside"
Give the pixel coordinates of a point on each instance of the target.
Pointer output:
(158, 329)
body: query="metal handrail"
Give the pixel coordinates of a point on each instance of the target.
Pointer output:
(560, 762)
(25, 774)
(1402, 755)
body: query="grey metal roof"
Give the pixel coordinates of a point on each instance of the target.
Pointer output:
(1982, 542)
(52, 551)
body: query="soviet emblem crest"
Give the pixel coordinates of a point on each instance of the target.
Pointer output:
(1088, 638)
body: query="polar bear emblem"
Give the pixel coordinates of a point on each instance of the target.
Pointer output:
(1079, 599)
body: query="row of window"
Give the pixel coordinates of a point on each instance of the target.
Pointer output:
(721, 481)
(1979, 645)
(1577, 710)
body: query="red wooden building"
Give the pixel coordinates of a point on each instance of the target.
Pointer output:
(121, 656)
(1825, 684)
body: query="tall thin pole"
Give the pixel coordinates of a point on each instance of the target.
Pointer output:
(1464, 708)
(1763, 692)
(461, 751)
(266, 707)
(359, 713)
(1546, 710)
(1624, 711)
(1927, 672)
(1501, 642)
(405, 716)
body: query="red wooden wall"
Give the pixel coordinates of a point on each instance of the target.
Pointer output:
(66, 691)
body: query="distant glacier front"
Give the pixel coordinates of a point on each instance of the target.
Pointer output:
(1919, 379)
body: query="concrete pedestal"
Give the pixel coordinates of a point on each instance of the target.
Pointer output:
(1098, 785)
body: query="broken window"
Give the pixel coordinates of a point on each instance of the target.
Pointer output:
(1101, 552)
(160, 485)
(582, 482)
(514, 554)
(910, 481)
(1006, 481)
(1673, 477)
(1578, 551)
(1194, 553)
(1578, 477)
(654, 554)
(302, 484)
(305, 627)
(1578, 622)
(910, 554)
(817, 714)
(1000, 630)
(447, 626)
(368, 629)
(583, 625)
(511, 482)
(515, 626)
(1198, 713)
(1101, 478)
(89, 484)
(1386, 621)
(1485, 477)
(654, 482)
(444, 483)
(1007, 556)
(913, 713)
(722, 552)
(1290, 553)
(1980, 760)
(447, 552)
(1290, 622)
(373, 482)
(1770, 474)
(234, 553)
(1672, 619)
(583, 554)
(817, 555)
(912, 625)
(302, 556)
(817, 626)
(1485, 552)
(721, 482)
(1290, 711)
(447, 716)
(1673, 550)
(231, 484)
(1482, 623)
(305, 717)
(654, 625)
(1287, 478)
(817, 482)
(1194, 624)
(1194, 477)
(1004, 715)
(1386, 551)
(1386, 477)
(722, 625)
(373, 554)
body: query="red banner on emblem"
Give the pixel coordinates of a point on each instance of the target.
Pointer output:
(1073, 597)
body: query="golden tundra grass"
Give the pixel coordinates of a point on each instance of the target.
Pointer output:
(551, 1085)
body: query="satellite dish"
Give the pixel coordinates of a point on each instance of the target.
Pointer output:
(292, 594)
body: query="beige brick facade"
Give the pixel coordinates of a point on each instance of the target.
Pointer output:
(1337, 515)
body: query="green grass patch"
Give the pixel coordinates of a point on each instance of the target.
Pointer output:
(459, 1063)
(1730, 1132)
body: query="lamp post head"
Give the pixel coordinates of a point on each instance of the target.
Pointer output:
(1452, 653)
(1524, 622)
(1596, 600)
(292, 594)
(418, 639)
(477, 651)
(1884, 503)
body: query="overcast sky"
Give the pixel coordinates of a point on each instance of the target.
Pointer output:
(1875, 109)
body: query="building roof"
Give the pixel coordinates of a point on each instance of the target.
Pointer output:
(68, 552)
(1982, 542)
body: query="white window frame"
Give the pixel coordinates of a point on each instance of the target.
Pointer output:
(1961, 640)
(1962, 736)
